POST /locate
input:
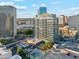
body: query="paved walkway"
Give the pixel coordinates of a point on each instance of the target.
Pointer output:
(54, 55)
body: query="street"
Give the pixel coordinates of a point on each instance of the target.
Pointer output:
(58, 55)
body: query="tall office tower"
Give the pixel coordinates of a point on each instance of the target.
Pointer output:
(7, 22)
(46, 27)
(42, 10)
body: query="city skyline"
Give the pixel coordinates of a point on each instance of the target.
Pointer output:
(26, 8)
(39, 29)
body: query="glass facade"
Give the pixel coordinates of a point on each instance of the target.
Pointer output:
(7, 22)
(42, 10)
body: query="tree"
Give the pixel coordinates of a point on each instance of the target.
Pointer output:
(77, 35)
(48, 45)
(28, 32)
(4, 41)
(23, 53)
(17, 35)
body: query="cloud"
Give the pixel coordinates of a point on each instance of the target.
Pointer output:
(42, 5)
(55, 3)
(18, 0)
(20, 7)
(71, 11)
(33, 5)
(74, 8)
(63, 10)
(12, 4)
(6, 3)
(23, 15)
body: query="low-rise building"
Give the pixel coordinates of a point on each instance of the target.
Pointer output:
(25, 23)
(5, 54)
(16, 57)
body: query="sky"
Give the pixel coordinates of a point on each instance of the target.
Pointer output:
(28, 8)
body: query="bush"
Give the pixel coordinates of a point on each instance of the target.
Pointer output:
(4, 41)
(28, 32)
(47, 45)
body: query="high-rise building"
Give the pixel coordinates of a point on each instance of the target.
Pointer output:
(7, 22)
(42, 10)
(74, 21)
(63, 20)
(46, 26)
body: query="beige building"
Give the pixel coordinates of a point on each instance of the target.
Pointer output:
(25, 23)
(68, 32)
(63, 20)
(46, 26)
(7, 22)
